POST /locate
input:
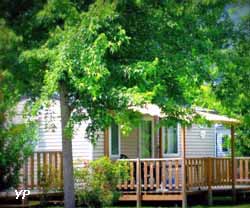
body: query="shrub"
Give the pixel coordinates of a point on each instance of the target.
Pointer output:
(16, 145)
(49, 180)
(97, 182)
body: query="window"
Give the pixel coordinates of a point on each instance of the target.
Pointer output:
(170, 140)
(225, 143)
(146, 139)
(114, 140)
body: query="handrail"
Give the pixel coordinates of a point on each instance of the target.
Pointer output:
(178, 158)
(150, 159)
(242, 158)
(47, 151)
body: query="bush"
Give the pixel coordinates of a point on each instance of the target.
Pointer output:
(49, 180)
(16, 145)
(97, 182)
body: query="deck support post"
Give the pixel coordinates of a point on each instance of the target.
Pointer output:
(233, 164)
(209, 174)
(138, 183)
(183, 147)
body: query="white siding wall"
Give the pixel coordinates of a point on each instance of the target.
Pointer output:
(81, 146)
(200, 142)
(50, 133)
(50, 136)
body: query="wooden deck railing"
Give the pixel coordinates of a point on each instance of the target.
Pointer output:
(43, 170)
(151, 175)
(221, 171)
(243, 170)
(155, 175)
(218, 170)
(164, 175)
(197, 172)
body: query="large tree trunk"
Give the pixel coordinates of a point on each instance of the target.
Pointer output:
(68, 180)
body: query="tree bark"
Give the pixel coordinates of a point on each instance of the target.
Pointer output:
(68, 179)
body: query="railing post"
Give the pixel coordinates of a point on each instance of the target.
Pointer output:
(209, 180)
(138, 183)
(32, 171)
(26, 174)
(38, 164)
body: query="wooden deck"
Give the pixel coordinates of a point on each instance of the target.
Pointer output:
(161, 179)
(151, 179)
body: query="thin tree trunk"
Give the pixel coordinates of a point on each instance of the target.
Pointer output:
(68, 180)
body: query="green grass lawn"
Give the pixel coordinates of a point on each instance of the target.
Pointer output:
(219, 206)
(224, 206)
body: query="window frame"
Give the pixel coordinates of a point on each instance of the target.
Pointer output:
(163, 142)
(110, 143)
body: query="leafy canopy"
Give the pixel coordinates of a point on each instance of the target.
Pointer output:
(115, 54)
(233, 85)
(16, 139)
